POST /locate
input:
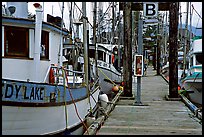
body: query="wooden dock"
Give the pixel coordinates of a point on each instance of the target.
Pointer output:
(156, 115)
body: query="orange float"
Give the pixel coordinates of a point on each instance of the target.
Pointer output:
(115, 89)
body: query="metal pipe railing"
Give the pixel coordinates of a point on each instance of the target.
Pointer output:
(75, 73)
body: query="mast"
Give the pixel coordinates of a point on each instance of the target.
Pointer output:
(181, 32)
(61, 40)
(165, 40)
(112, 37)
(100, 16)
(70, 23)
(94, 38)
(190, 37)
(113, 24)
(85, 45)
(186, 39)
(119, 36)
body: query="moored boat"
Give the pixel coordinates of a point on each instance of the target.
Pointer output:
(108, 69)
(192, 81)
(38, 96)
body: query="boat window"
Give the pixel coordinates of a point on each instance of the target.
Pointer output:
(16, 41)
(191, 61)
(109, 59)
(198, 59)
(44, 54)
(91, 53)
(180, 65)
(104, 57)
(100, 55)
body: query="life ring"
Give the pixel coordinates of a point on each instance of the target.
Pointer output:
(51, 76)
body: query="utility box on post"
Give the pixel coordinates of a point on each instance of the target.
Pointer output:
(138, 65)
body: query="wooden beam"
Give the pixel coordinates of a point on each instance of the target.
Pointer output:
(127, 56)
(173, 50)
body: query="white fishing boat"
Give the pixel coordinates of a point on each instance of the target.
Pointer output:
(38, 96)
(192, 82)
(108, 69)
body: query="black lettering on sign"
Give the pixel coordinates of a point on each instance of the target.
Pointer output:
(41, 93)
(25, 97)
(9, 86)
(17, 90)
(32, 93)
(36, 92)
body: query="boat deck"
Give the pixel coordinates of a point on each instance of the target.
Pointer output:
(155, 116)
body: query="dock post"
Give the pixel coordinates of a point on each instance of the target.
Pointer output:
(173, 50)
(127, 56)
(140, 52)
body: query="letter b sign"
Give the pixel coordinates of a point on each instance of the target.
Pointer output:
(150, 9)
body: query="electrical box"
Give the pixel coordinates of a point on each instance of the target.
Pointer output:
(138, 65)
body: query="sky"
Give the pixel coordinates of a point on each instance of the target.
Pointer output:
(196, 21)
(54, 8)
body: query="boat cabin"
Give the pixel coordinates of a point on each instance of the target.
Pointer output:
(18, 48)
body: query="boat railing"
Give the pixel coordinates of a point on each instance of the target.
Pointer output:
(93, 87)
(75, 75)
(58, 74)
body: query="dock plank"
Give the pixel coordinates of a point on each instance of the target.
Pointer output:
(156, 117)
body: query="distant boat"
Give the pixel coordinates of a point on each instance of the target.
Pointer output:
(38, 93)
(109, 72)
(165, 70)
(192, 82)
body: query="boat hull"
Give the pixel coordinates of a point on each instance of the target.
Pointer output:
(194, 89)
(26, 111)
(193, 80)
(107, 79)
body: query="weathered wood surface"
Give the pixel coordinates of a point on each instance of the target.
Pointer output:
(156, 117)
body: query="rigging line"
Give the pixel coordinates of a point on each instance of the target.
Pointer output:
(61, 9)
(196, 11)
(65, 107)
(197, 23)
(88, 20)
(83, 15)
(107, 77)
(76, 110)
(73, 12)
(66, 21)
(105, 12)
(76, 11)
(59, 6)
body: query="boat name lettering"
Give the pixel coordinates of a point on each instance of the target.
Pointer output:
(105, 65)
(100, 63)
(32, 93)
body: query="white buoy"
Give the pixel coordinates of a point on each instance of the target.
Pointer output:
(104, 100)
